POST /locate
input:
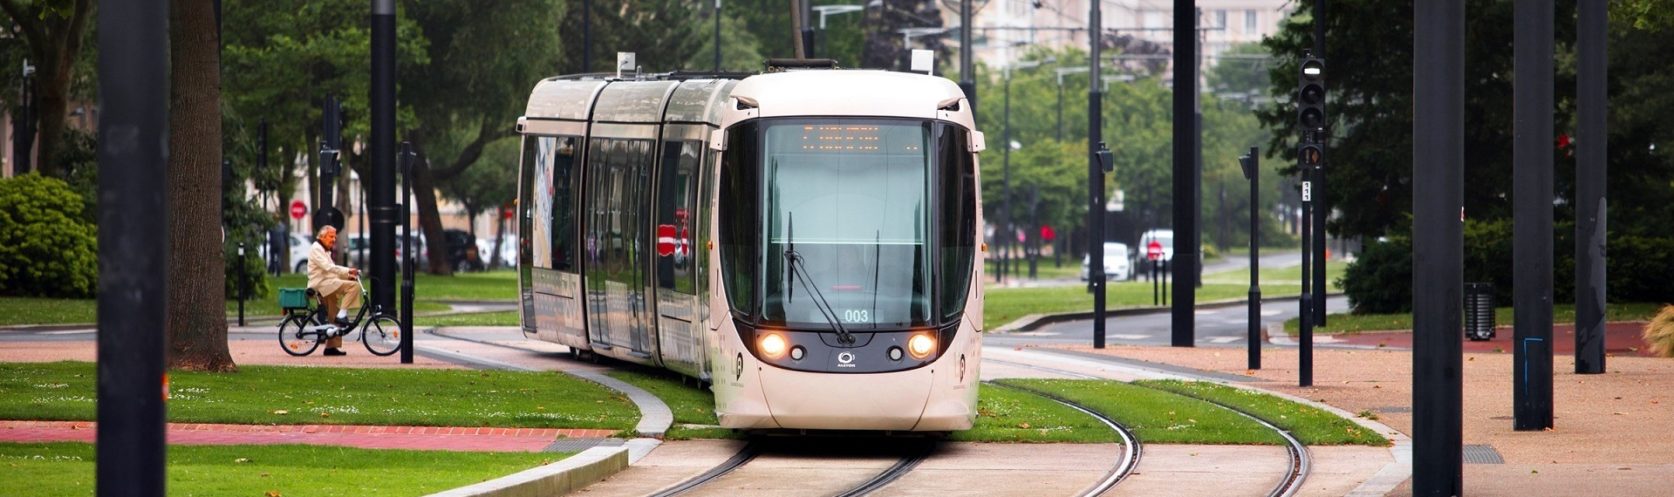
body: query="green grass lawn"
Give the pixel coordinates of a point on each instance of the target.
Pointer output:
(430, 292)
(66, 469)
(1004, 305)
(498, 318)
(1003, 414)
(1157, 416)
(305, 395)
(1503, 316)
(690, 404)
(1011, 415)
(1309, 424)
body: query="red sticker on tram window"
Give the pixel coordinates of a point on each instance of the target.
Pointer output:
(665, 240)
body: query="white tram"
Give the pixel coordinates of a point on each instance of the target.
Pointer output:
(806, 242)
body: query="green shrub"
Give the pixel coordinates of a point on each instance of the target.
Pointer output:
(1638, 268)
(47, 248)
(1379, 281)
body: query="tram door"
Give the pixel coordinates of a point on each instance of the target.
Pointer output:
(618, 198)
(676, 249)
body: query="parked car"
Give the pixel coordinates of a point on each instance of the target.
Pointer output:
(298, 248)
(1116, 263)
(462, 251)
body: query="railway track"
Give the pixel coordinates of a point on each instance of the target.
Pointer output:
(1288, 486)
(910, 457)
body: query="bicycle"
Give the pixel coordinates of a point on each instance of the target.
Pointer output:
(306, 325)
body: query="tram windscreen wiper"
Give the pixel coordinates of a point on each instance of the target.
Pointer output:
(795, 262)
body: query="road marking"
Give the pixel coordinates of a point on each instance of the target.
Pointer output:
(66, 332)
(1037, 334)
(1271, 312)
(1225, 339)
(1206, 313)
(1130, 337)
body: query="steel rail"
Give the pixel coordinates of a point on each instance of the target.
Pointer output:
(1300, 461)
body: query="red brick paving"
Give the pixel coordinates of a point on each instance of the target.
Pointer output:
(366, 437)
(1624, 338)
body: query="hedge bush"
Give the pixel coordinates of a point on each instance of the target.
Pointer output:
(1640, 269)
(47, 247)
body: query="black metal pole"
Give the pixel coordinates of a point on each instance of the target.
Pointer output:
(967, 71)
(330, 144)
(1591, 208)
(1095, 175)
(1060, 109)
(1186, 245)
(381, 190)
(1253, 170)
(1438, 151)
(133, 260)
(1032, 249)
(717, 36)
(1166, 270)
(1003, 236)
(1532, 132)
(586, 36)
(1321, 209)
(243, 284)
(1156, 282)
(408, 258)
(808, 27)
(1305, 312)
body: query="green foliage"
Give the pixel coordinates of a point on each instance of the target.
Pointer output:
(47, 249)
(1380, 278)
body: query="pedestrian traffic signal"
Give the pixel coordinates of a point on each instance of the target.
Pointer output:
(1310, 94)
(1312, 154)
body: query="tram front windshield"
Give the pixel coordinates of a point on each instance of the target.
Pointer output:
(848, 204)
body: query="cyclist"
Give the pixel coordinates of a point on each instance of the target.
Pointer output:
(338, 286)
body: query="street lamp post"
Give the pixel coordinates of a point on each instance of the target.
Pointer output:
(1004, 239)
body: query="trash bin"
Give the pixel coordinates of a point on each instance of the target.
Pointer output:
(1479, 311)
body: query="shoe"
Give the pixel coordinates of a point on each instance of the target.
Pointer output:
(342, 323)
(335, 352)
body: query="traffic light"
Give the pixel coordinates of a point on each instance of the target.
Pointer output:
(1310, 94)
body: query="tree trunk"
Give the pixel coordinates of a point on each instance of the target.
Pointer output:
(430, 218)
(197, 311)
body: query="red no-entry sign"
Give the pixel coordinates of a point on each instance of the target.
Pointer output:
(1154, 250)
(298, 209)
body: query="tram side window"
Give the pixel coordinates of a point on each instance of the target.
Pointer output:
(563, 201)
(739, 206)
(525, 202)
(958, 225)
(675, 195)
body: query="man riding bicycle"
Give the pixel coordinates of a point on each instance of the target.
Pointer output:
(338, 286)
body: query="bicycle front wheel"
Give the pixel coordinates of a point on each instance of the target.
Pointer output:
(293, 337)
(382, 336)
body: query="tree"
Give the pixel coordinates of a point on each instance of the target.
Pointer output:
(197, 311)
(474, 86)
(55, 31)
(488, 186)
(884, 46)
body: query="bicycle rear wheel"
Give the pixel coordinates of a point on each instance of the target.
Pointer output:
(293, 337)
(382, 336)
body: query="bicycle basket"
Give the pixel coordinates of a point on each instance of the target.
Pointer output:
(293, 298)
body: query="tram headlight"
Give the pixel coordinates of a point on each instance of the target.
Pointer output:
(771, 345)
(921, 345)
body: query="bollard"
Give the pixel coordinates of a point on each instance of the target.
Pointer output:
(1479, 311)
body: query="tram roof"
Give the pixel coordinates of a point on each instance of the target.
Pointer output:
(850, 93)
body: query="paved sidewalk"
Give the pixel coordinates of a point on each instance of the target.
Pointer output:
(1623, 338)
(366, 437)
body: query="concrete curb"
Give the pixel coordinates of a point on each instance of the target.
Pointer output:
(1035, 321)
(559, 478)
